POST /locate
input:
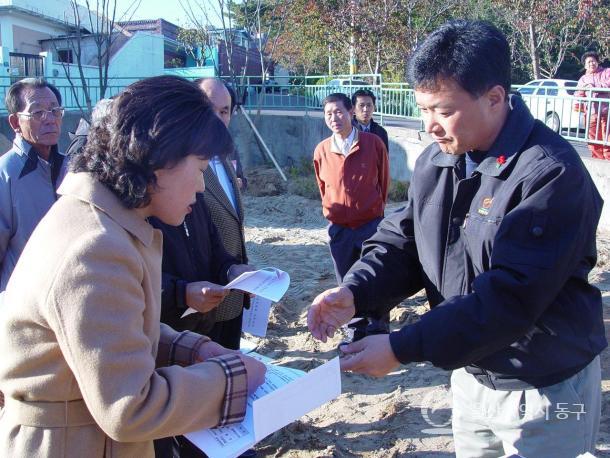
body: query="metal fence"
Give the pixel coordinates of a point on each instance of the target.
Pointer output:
(573, 112)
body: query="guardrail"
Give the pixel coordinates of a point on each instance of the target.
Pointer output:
(560, 108)
(572, 112)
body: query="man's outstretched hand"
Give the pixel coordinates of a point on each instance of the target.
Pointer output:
(372, 355)
(329, 311)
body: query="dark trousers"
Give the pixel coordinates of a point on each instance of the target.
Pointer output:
(227, 333)
(346, 244)
(345, 249)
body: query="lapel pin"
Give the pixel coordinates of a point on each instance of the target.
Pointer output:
(500, 161)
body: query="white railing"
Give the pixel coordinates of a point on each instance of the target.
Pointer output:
(558, 107)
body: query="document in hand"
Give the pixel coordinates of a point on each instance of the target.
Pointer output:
(286, 395)
(268, 285)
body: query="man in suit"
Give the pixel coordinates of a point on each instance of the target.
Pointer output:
(363, 101)
(223, 198)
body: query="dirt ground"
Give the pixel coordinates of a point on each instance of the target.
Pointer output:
(405, 413)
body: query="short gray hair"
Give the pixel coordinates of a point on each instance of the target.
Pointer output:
(100, 111)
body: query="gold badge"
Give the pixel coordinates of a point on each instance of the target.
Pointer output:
(485, 206)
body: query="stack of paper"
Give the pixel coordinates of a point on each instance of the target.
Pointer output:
(286, 395)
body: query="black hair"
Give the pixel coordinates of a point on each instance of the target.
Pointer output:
(589, 54)
(474, 54)
(363, 93)
(13, 100)
(153, 124)
(338, 97)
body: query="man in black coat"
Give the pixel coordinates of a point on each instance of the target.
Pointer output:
(499, 229)
(363, 101)
(195, 265)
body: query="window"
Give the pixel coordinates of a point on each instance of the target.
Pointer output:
(529, 87)
(549, 84)
(65, 56)
(571, 84)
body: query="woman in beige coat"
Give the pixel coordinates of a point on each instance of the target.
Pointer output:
(86, 368)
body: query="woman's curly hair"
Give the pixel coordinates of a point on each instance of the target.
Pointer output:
(153, 124)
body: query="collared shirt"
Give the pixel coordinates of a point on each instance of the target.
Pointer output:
(342, 145)
(365, 128)
(27, 191)
(224, 180)
(473, 159)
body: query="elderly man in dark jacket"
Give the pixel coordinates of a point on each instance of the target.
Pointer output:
(500, 231)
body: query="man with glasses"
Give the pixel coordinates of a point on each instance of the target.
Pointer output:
(32, 169)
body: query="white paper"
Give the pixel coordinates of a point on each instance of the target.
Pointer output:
(256, 318)
(246, 346)
(286, 395)
(269, 283)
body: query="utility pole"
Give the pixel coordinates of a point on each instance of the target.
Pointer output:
(352, 40)
(330, 60)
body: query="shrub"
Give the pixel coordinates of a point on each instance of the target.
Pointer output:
(398, 191)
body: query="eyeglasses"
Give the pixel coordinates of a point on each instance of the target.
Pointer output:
(57, 112)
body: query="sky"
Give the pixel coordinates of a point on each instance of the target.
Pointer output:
(170, 10)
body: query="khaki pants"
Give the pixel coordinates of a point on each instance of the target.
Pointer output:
(557, 421)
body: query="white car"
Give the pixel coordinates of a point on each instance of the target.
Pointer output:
(552, 102)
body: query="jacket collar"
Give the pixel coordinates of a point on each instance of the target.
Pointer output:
(81, 129)
(357, 125)
(333, 148)
(514, 134)
(30, 157)
(87, 189)
(214, 188)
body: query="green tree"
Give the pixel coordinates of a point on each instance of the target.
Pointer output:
(543, 31)
(197, 43)
(303, 45)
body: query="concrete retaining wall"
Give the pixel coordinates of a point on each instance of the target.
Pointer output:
(292, 137)
(600, 172)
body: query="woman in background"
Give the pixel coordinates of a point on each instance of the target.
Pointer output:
(597, 122)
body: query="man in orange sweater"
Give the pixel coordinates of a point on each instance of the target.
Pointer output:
(352, 172)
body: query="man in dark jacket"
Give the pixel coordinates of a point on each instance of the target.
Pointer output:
(500, 231)
(195, 265)
(363, 101)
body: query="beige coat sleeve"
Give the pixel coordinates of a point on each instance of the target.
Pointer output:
(98, 310)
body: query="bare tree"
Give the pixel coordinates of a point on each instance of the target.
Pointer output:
(96, 24)
(202, 16)
(269, 25)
